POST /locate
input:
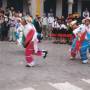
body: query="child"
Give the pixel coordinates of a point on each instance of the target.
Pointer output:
(31, 43)
(77, 46)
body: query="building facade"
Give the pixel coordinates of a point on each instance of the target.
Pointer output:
(58, 7)
(65, 7)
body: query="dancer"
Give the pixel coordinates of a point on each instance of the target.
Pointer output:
(31, 43)
(77, 45)
(85, 45)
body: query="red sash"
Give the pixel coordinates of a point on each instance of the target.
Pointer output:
(79, 42)
(29, 37)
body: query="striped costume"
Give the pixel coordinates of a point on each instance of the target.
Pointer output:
(31, 44)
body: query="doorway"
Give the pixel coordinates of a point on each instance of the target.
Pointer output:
(17, 4)
(75, 6)
(50, 6)
(65, 8)
(0, 3)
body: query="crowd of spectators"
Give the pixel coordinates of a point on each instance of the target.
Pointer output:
(46, 26)
(8, 23)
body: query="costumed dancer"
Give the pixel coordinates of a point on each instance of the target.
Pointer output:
(77, 45)
(31, 43)
(75, 27)
(85, 45)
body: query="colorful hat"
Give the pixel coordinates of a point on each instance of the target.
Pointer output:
(87, 18)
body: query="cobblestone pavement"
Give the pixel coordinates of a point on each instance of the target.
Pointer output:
(57, 72)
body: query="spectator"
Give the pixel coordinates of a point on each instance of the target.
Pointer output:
(38, 26)
(55, 26)
(86, 13)
(12, 30)
(45, 26)
(63, 30)
(3, 29)
(50, 21)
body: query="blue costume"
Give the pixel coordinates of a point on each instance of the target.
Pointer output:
(85, 45)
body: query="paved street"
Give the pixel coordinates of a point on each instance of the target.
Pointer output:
(57, 72)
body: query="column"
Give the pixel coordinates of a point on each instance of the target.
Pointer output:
(79, 6)
(70, 6)
(58, 7)
(38, 7)
(33, 8)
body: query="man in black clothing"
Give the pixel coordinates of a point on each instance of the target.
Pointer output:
(38, 26)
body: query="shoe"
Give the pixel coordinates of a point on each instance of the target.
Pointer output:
(84, 61)
(45, 54)
(32, 64)
(72, 58)
(27, 66)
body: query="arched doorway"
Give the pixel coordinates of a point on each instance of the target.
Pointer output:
(50, 5)
(17, 4)
(0, 3)
(65, 8)
(75, 6)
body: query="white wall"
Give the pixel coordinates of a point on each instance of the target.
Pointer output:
(42, 7)
(70, 6)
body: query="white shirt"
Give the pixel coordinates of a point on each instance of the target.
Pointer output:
(79, 29)
(27, 29)
(63, 26)
(44, 21)
(82, 28)
(87, 28)
(55, 24)
(50, 20)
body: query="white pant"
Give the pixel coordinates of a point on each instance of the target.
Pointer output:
(12, 33)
